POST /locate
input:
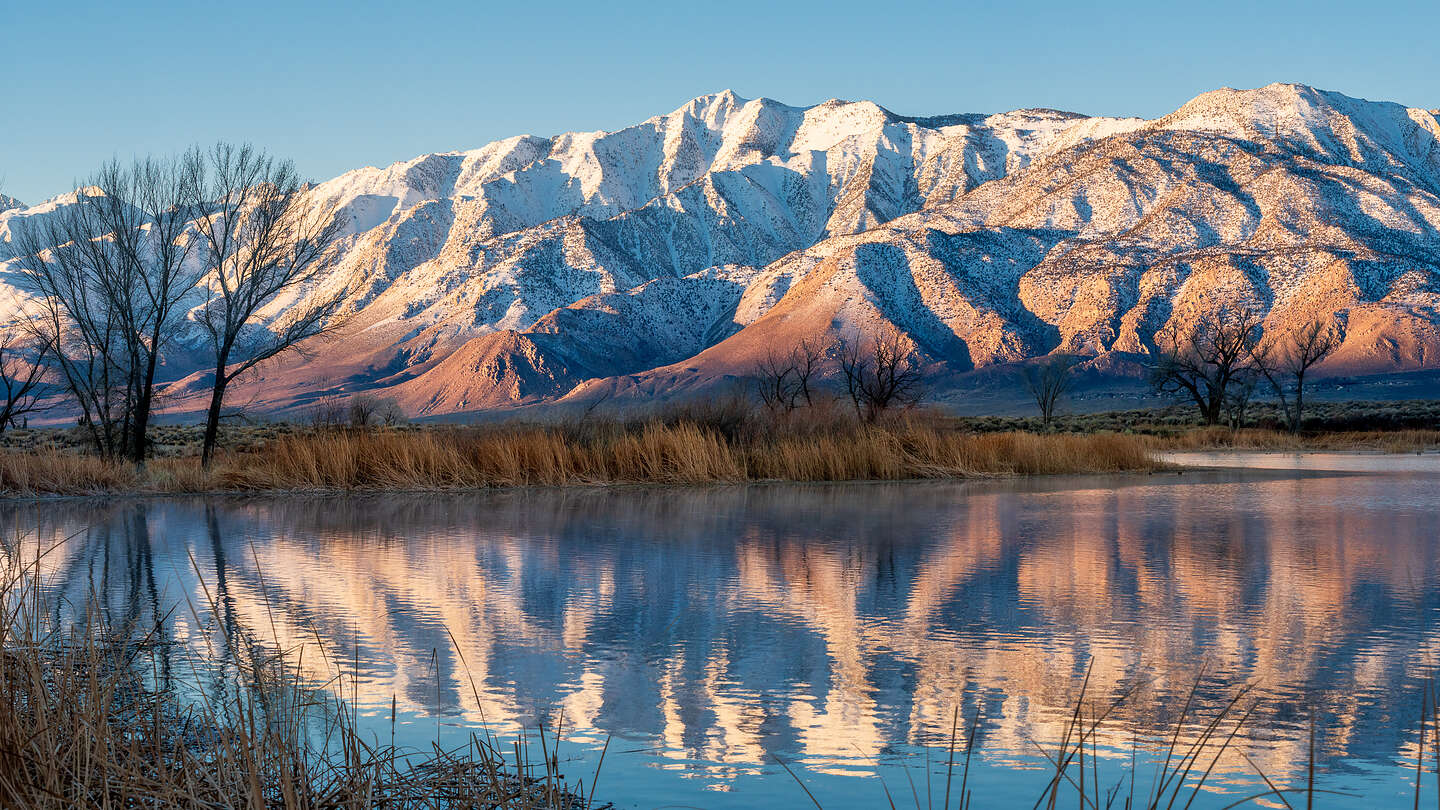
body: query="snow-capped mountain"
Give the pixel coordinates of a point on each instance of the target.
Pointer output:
(668, 255)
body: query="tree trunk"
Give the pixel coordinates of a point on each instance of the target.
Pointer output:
(1299, 402)
(212, 418)
(138, 429)
(139, 441)
(1211, 411)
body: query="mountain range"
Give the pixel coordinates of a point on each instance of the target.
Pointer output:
(667, 258)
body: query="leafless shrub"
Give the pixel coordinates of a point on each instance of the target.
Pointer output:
(729, 414)
(1236, 403)
(1048, 382)
(361, 410)
(1212, 364)
(784, 382)
(329, 413)
(22, 377)
(368, 410)
(879, 372)
(1285, 362)
(391, 414)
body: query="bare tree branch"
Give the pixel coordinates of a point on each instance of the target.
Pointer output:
(1284, 363)
(22, 376)
(785, 381)
(1213, 364)
(879, 372)
(261, 236)
(1048, 382)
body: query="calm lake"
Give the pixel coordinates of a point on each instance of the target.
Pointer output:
(711, 633)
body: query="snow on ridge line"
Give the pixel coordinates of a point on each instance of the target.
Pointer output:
(450, 246)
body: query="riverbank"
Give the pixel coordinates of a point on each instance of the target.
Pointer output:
(721, 442)
(1349, 425)
(674, 451)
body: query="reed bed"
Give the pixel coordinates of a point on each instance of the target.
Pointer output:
(683, 449)
(88, 720)
(681, 454)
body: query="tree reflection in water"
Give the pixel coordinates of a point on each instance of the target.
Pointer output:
(717, 627)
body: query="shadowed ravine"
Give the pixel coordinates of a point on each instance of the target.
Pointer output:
(707, 631)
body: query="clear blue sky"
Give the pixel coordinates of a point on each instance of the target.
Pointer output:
(345, 85)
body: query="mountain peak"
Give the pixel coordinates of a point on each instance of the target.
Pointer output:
(985, 238)
(1323, 123)
(9, 203)
(723, 100)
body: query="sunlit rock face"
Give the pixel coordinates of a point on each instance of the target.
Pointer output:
(672, 254)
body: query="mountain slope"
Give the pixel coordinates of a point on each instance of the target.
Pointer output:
(670, 256)
(451, 248)
(1296, 203)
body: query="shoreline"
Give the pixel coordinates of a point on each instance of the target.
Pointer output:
(681, 452)
(724, 442)
(1159, 459)
(614, 486)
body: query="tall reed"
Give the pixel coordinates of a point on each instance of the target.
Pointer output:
(677, 449)
(87, 720)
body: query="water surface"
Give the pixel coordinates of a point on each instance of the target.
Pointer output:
(708, 632)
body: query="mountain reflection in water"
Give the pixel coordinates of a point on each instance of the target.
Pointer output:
(713, 628)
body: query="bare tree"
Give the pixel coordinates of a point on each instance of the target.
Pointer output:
(390, 413)
(1285, 363)
(110, 273)
(1237, 399)
(22, 377)
(159, 248)
(1048, 382)
(261, 237)
(879, 373)
(329, 413)
(784, 381)
(362, 410)
(370, 410)
(70, 318)
(1212, 364)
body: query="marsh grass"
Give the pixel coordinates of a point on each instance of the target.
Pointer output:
(722, 440)
(88, 720)
(670, 454)
(720, 443)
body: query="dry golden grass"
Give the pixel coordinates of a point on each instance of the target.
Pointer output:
(712, 443)
(88, 719)
(680, 450)
(69, 473)
(50, 472)
(683, 453)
